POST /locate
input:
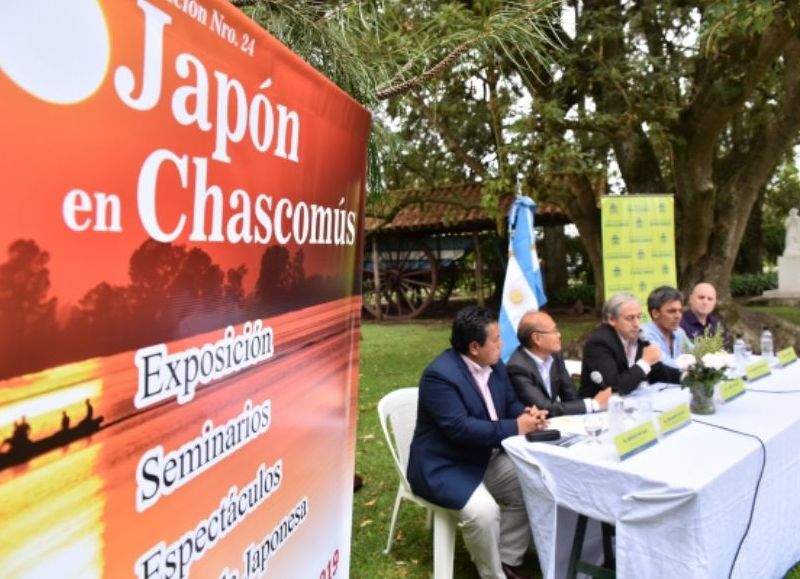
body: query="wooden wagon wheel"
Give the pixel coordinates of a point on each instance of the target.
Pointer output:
(407, 280)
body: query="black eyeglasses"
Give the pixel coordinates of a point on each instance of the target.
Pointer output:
(553, 331)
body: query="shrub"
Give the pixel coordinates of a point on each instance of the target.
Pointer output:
(569, 295)
(753, 284)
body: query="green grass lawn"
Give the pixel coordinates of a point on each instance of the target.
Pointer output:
(393, 356)
(788, 313)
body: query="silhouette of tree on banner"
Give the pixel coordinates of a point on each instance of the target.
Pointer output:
(298, 272)
(96, 326)
(152, 271)
(173, 292)
(274, 285)
(197, 284)
(181, 292)
(233, 294)
(28, 315)
(282, 284)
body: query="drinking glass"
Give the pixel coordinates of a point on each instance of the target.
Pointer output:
(631, 406)
(593, 423)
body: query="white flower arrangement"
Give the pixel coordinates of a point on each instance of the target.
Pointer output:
(685, 361)
(715, 360)
(709, 369)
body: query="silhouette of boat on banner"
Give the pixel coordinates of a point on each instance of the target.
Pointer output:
(22, 449)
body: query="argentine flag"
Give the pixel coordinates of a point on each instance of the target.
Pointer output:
(523, 289)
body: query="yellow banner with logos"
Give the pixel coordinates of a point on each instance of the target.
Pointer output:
(638, 244)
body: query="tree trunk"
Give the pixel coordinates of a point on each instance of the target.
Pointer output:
(583, 209)
(709, 256)
(710, 223)
(555, 258)
(751, 253)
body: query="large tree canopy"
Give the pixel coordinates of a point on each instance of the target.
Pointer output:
(695, 98)
(380, 51)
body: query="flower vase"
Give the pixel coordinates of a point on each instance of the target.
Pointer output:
(702, 399)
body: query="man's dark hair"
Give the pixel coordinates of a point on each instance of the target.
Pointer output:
(661, 295)
(470, 326)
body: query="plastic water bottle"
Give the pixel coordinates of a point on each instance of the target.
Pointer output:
(739, 354)
(616, 414)
(767, 348)
(646, 404)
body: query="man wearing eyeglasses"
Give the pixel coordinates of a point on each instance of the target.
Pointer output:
(538, 372)
(616, 351)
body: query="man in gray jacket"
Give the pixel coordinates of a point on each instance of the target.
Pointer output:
(538, 372)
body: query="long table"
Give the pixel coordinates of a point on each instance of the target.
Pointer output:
(681, 507)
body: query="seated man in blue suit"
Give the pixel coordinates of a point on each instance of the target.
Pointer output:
(538, 372)
(466, 408)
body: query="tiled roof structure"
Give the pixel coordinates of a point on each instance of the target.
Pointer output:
(451, 208)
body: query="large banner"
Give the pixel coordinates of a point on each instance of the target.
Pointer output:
(179, 296)
(638, 244)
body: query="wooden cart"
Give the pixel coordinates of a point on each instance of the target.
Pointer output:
(417, 255)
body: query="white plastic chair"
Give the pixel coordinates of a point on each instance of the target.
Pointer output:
(398, 414)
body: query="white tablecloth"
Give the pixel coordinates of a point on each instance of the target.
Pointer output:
(682, 506)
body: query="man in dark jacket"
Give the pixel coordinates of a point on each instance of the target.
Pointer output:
(466, 408)
(538, 372)
(699, 318)
(617, 353)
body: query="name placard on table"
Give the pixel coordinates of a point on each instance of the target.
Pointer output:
(787, 356)
(635, 439)
(731, 389)
(757, 370)
(674, 419)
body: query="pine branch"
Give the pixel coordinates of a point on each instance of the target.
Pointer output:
(427, 75)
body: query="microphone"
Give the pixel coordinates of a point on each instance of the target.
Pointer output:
(597, 378)
(643, 339)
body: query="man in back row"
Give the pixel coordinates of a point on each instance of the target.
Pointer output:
(538, 372)
(665, 306)
(699, 318)
(619, 356)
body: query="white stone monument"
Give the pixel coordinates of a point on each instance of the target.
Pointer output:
(789, 262)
